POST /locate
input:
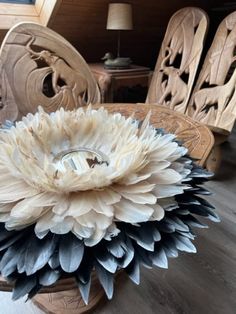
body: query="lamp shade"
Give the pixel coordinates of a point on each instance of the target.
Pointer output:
(119, 16)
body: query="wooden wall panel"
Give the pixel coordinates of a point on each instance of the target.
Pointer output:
(2, 34)
(83, 23)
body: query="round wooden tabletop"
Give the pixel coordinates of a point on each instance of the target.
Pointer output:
(195, 136)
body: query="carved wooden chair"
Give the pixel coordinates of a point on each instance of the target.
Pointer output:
(39, 67)
(178, 59)
(213, 101)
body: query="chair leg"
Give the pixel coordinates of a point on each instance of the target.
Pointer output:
(214, 159)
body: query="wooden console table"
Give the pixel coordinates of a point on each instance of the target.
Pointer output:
(115, 85)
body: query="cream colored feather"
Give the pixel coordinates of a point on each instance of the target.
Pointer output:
(81, 193)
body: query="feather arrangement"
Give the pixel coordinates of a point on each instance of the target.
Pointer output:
(85, 191)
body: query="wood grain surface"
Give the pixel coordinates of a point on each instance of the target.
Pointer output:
(193, 135)
(213, 98)
(178, 59)
(54, 75)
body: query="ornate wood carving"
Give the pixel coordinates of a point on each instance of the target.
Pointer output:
(195, 136)
(213, 101)
(64, 297)
(178, 59)
(69, 301)
(39, 67)
(8, 107)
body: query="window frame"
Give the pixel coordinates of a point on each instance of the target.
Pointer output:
(29, 2)
(40, 12)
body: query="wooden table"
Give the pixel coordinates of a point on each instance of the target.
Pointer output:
(115, 83)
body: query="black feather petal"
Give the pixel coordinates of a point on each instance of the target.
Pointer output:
(34, 291)
(144, 257)
(143, 236)
(9, 261)
(190, 220)
(107, 260)
(129, 254)
(11, 240)
(84, 289)
(116, 247)
(133, 271)
(170, 248)
(83, 274)
(23, 286)
(38, 252)
(5, 234)
(48, 277)
(71, 251)
(106, 279)
(159, 258)
(183, 244)
(54, 261)
(177, 223)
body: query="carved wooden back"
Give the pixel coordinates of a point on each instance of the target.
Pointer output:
(178, 59)
(39, 67)
(213, 101)
(193, 135)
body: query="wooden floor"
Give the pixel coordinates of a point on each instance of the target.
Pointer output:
(202, 283)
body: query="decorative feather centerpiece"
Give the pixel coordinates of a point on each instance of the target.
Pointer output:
(85, 191)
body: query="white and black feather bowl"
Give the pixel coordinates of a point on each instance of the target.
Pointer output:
(134, 203)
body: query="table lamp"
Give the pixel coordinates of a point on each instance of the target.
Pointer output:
(119, 19)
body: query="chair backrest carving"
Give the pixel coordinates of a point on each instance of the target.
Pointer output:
(39, 67)
(192, 134)
(213, 101)
(178, 59)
